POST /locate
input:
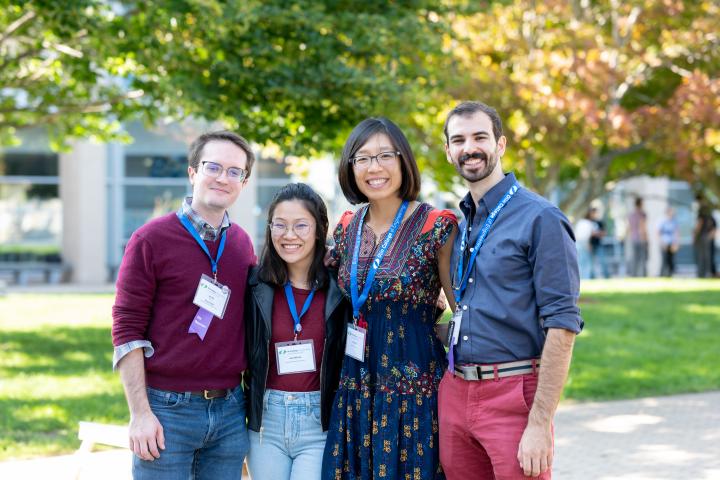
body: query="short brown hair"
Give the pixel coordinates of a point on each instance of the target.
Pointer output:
(196, 148)
(466, 109)
(410, 187)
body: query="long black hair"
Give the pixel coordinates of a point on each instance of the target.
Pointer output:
(273, 269)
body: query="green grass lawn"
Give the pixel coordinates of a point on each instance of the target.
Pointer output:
(55, 370)
(646, 337)
(641, 338)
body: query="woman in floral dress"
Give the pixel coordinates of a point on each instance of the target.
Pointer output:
(384, 419)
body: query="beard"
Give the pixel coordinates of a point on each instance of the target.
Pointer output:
(474, 174)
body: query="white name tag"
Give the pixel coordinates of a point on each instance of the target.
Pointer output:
(295, 357)
(456, 322)
(355, 344)
(212, 296)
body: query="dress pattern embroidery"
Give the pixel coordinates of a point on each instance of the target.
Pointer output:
(384, 421)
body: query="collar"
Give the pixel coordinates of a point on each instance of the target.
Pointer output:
(491, 198)
(206, 231)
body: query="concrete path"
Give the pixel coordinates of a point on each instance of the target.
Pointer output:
(661, 438)
(676, 437)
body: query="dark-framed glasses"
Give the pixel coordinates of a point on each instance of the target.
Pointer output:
(384, 159)
(301, 229)
(214, 170)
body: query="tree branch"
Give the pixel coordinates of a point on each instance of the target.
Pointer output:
(16, 25)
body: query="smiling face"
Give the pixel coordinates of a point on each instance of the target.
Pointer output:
(213, 195)
(295, 243)
(472, 147)
(379, 180)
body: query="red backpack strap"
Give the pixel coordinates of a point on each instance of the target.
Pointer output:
(433, 216)
(346, 219)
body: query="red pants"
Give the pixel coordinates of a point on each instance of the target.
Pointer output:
(481, 423)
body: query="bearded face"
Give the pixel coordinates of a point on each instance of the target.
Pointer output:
(476, 166)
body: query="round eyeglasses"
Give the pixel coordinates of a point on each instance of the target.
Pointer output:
(215, 170)
(301, 229)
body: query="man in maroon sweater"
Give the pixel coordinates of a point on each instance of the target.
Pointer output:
(178, 326)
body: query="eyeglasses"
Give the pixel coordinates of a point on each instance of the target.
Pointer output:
(214, 170)
(301, 229)
(384, 159)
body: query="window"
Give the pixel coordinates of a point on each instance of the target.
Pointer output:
(30, 207)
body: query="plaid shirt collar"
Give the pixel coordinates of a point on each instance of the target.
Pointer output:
(206, 231)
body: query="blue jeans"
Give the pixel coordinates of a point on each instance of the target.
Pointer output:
(291, 441)
(204, 439)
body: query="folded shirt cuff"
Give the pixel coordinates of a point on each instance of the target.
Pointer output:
(125, 348)
(566, 321)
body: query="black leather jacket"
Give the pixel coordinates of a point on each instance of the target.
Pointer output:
(258, 315)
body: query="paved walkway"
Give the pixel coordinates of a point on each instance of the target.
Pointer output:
(676, 437)
(661, 438)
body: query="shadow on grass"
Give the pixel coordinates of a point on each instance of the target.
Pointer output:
(663, 343)
(60, 360)
(40, 426)
(56, 350)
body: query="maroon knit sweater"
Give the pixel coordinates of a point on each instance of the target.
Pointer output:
(158, 277)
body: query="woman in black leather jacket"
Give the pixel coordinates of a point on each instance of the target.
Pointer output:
(295, 319)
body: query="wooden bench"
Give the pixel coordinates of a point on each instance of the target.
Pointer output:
(91, 433)
(24, 273)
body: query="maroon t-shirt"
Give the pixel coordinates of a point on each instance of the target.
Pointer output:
(313, 328)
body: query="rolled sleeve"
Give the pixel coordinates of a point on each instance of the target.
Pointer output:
(555, 271)
(125, 348)
(135, 291)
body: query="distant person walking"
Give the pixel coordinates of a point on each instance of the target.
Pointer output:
(669, 232)
(584, 229)
(598, 264)
(639, 240)
(704, 241)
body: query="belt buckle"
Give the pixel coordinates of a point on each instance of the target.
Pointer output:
(205, 395)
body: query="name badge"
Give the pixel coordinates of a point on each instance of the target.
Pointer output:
(355, 344)
(295, 357)
(454, 326)
(212, 296)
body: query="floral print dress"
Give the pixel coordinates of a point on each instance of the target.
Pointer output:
(384, 420)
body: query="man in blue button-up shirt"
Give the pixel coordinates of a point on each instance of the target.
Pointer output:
(516, 313)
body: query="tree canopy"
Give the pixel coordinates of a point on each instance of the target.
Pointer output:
(296, 74)
(594, 92)
(590, 92)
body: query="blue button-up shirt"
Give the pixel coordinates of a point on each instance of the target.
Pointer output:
(524, 279)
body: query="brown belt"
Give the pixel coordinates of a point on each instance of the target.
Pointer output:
(498, 370)
(210, 394)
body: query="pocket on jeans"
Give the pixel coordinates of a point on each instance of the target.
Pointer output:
(316, 413)
(238, 395)
(164, 399)
(529, 386)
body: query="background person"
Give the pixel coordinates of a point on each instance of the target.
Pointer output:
(669, 232)
(637, 224)
(704, 241)
(599, 266)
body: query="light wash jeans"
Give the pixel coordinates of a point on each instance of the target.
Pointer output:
(204, 439)
(291, 442)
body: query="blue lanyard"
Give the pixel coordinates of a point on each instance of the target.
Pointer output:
(460, 289)
(213, 261)
(293, 307)
(359, 299)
